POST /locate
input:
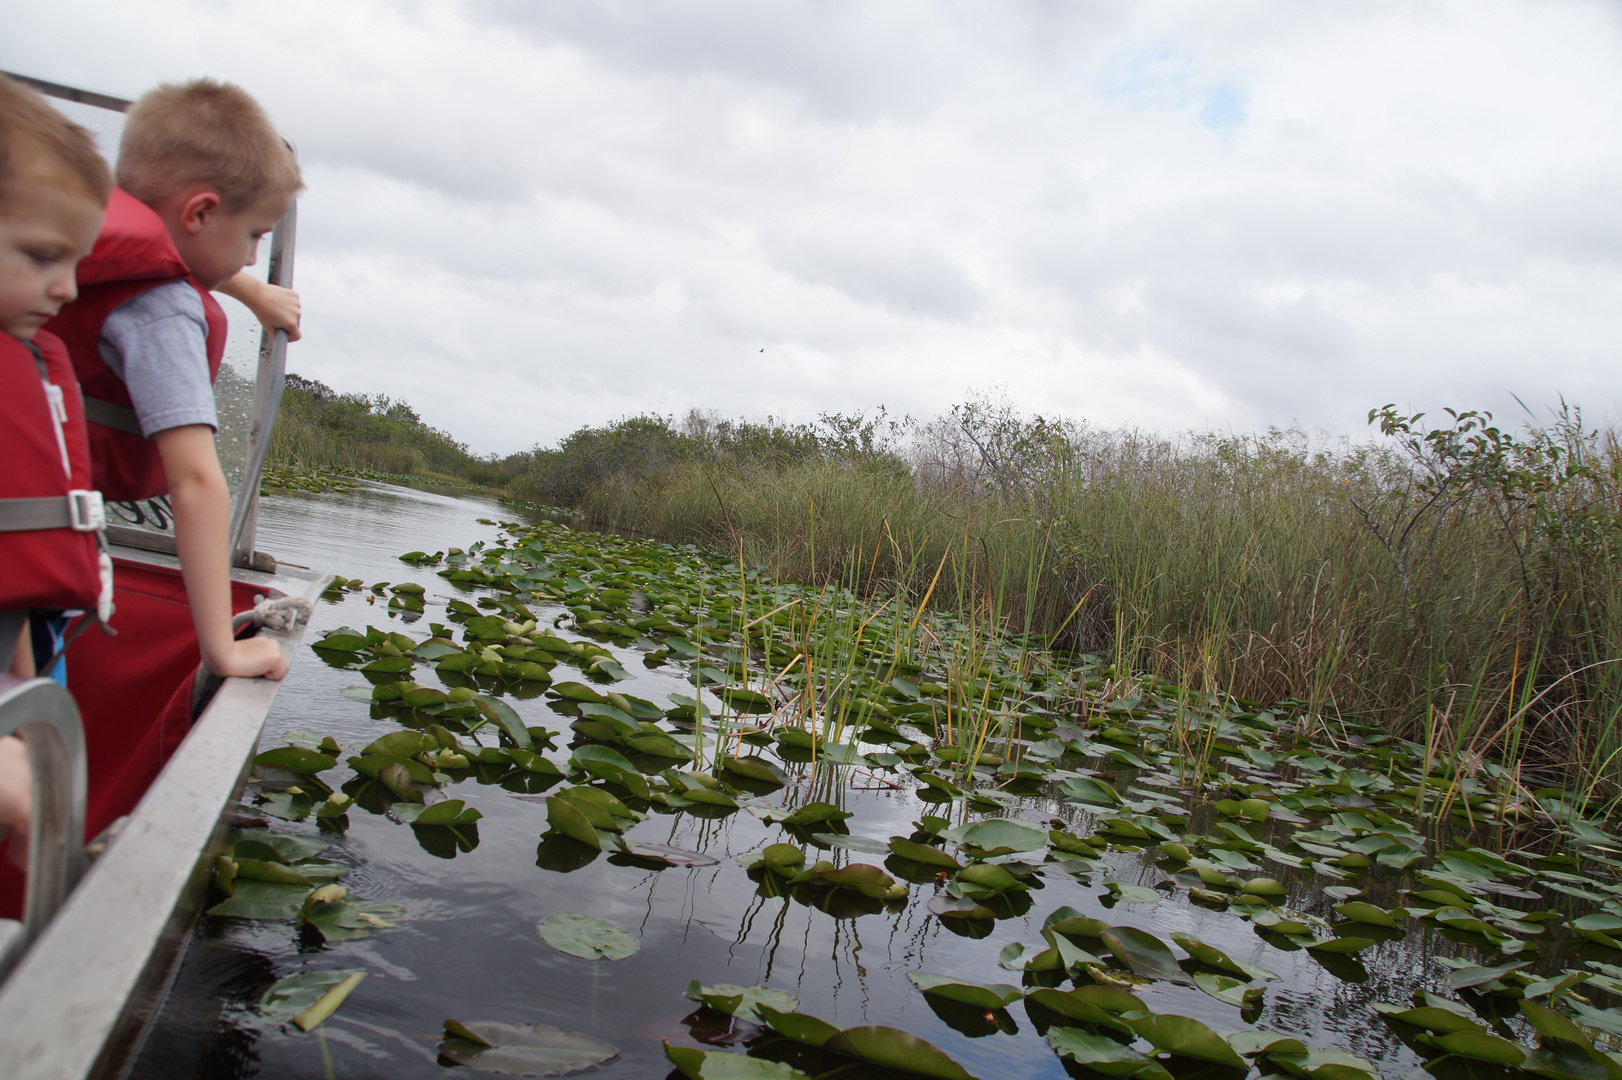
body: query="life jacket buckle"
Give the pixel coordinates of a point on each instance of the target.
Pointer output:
(86, 511)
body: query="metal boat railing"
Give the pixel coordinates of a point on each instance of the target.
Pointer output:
(44, 714)
(82, 996)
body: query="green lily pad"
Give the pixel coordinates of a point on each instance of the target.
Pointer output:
(1086, 789)
(261, 900)
(741, 1001)
(297, 760)
(898, 1050)
(402, 744)
(1433, 1019)
(796, 1026)
(570, 820)
(1345, 945)
(447, 812)
(338, 641)
(1225, 988)
(812, 813)
(586, 937)
(516, 1049)
(1133, 894)
(1002, 836)
(980, 995)
(1144, 954)
(575, 691)
(924, 853)
(755, 768)
(1102, 1054)
(1472, 975)
(1186, 1037)
(1358, 911)
(696, 1064)
(1072, 1006)
(1214, 957)
(295, 995)
(505, 717)
(1067, 920)
(1480, 1046)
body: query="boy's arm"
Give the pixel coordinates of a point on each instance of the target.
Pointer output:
(276, 308)
(202, 508)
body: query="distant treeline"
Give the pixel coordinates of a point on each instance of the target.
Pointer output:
(321, 428)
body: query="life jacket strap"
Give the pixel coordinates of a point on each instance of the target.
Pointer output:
(81, 511)
(107, 414)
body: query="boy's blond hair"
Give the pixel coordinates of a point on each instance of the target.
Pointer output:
(207, 133)
(34, 135)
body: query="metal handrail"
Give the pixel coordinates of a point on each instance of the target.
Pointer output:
(267, 396)
(45, 715)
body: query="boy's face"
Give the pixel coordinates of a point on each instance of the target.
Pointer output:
(44, 231)
(217, 245)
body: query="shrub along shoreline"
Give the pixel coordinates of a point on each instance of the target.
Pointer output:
(1456, 580)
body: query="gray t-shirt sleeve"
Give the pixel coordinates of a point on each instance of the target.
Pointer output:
(157, 343)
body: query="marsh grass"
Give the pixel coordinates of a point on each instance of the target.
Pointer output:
(1458, 584)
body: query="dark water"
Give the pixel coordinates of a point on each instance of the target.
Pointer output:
(467, 946)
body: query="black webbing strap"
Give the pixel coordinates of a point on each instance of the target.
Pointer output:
(117, 417)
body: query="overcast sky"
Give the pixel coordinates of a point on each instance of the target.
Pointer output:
(525, 216)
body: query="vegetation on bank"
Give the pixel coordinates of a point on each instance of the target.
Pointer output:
(1452, 578)
(359, 434)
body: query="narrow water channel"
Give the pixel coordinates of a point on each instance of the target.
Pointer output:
(467, 945)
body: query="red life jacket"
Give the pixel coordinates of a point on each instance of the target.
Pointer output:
(49, 517)
(133, 254)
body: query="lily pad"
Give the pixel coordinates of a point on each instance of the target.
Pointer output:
(980, 995)
(1214, 957)
(1187, 1037)
(898, 1050)
(1144, 954)
(296, 759)
(295, 994)
(741, 1001)
(696, 1064)
(1002, 836)
(927, 854)
(1358, 911)
(518, 1049)
(1236, 992)
(1102, 1054)
(585, 936)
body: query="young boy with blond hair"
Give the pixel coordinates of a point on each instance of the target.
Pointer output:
(54, 188)
(202, 177)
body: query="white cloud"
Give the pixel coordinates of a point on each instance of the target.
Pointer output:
(526, 217)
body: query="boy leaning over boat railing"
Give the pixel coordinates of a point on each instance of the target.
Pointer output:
(111, 343)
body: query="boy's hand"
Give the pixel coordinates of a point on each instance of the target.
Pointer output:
(276, 308)
(249, 659)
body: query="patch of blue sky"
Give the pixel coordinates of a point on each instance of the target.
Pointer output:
(1224, 108)
(1159, 75)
